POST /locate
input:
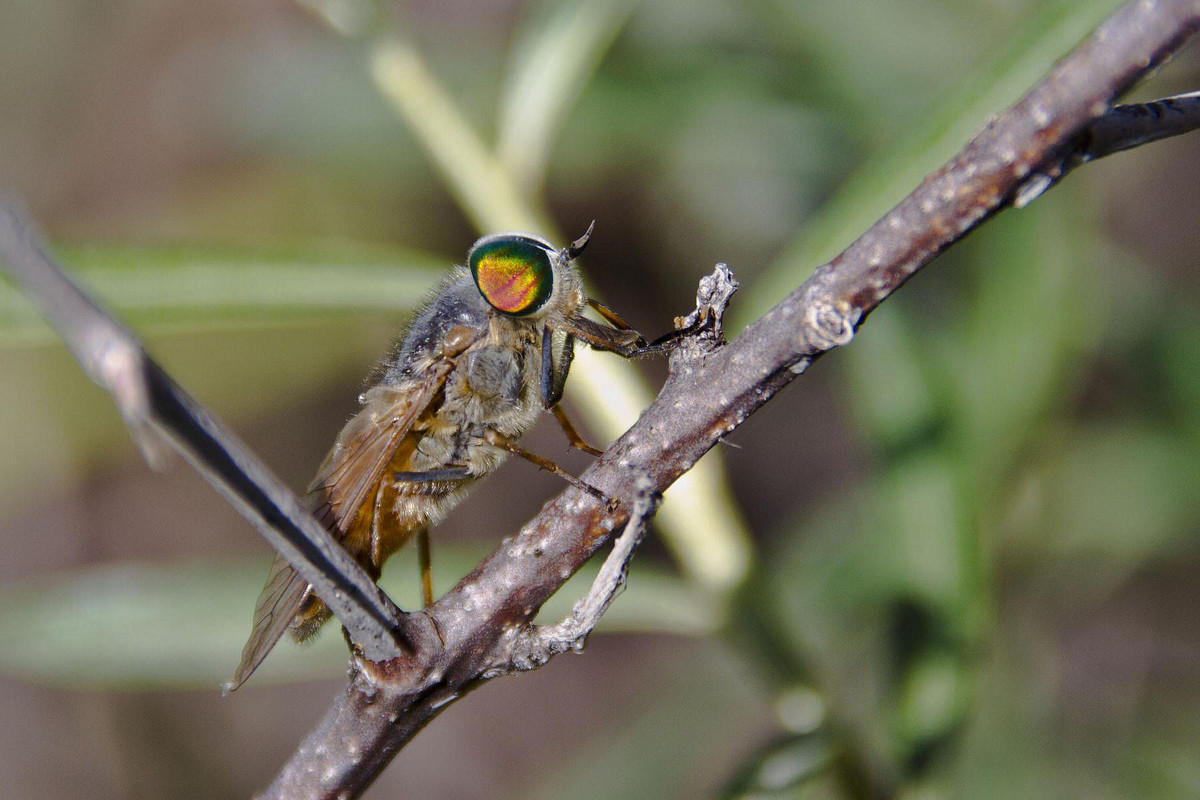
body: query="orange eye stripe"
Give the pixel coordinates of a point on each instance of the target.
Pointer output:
(513, 273)
(507, 283)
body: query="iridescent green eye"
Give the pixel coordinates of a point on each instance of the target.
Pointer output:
(513, 273)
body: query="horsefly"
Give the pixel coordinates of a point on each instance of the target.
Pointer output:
(488, 353)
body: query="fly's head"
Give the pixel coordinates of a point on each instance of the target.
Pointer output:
(526, 279)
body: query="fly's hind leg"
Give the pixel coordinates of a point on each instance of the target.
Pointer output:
(499, 440)
(423, 558)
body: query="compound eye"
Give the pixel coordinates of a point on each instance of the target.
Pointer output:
(513, 273)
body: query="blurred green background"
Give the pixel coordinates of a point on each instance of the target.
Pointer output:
(957, 559)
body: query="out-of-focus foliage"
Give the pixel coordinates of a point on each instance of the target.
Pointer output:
(973, 569)
(141, 627)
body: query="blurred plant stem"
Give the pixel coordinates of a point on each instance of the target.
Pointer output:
(699, 519)
(553, 62)
(478, 180)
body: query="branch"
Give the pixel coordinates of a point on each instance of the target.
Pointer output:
(711, 390)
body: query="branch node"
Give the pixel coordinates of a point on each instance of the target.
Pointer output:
(701, 331)
(419, 660)
(712, 298)
(830, 324)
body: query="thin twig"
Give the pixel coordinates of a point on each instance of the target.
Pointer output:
(1121, 128)
(1136, 124)
(530, 646)
(159, 413)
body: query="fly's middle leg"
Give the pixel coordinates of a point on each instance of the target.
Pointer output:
(572, 434)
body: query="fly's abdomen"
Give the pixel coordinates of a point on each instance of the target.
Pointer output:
(312, 615)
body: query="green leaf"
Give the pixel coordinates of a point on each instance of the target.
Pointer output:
(823, 595)
(132, 626)
(1029, 316)
(933, 698)
(661, 733)
(1120, 492)
(889, 381)
(480, 183)
(924, 537)
(794, 767)
(1179, 352)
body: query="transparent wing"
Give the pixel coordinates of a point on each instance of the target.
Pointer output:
(350, 473)
(366, 445)
(277, 604)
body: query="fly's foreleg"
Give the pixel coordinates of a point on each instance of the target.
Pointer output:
(622, 339)
(554, 378)
(625, 342)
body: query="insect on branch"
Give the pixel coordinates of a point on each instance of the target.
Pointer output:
(482, 628)
(528, 646)
(455, 642)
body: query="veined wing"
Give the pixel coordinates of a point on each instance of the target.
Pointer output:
(278, 602)
(350, 474)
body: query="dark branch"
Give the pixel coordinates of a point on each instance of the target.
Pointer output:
(159, 413)
(1121, 128)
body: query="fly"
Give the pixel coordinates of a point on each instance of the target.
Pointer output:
(488, 353)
